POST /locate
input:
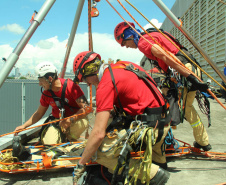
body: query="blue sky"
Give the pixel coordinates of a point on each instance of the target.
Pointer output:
(49, 41)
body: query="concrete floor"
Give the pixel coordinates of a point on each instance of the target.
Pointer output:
(188, 169)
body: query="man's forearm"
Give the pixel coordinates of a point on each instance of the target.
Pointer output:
(33, 119)
(92, 146)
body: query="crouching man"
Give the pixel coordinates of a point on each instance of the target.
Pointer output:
(141, 123)
(66, 99)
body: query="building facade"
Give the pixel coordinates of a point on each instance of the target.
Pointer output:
(206, 22)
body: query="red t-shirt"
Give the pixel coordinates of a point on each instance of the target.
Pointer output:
(145, 47)
(134, 94)
(72, 93)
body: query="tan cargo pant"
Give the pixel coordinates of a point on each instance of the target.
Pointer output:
(199, 131)
(109, 159)
(52, 134)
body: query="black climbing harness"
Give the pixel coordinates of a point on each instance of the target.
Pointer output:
(60, 101)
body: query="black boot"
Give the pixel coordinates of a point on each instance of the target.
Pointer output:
(160, 178)
(205, 148)
(19, 150)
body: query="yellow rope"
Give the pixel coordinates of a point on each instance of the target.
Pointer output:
(144, 164)
(7, 157)
(222, 2)
(173, 44)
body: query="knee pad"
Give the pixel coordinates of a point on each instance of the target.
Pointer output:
(160, 178)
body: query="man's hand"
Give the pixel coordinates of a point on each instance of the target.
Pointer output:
(78, 172)
(65, 124)
(19, 128)
(197, 85)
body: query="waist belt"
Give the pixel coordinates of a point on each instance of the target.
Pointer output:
(156, 110)
(151, 115)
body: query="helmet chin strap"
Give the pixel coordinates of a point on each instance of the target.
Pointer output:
(50, 84)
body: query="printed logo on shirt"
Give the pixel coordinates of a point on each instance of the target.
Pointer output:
(66, 100)
(52, 103)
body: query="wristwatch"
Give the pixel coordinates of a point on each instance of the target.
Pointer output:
(72, 119)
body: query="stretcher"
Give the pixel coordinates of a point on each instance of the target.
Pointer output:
(66, 155)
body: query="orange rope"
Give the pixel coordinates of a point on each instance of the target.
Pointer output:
(170, 41)
(175, 60)
(87, 109)
(89, 26)
(90, 44)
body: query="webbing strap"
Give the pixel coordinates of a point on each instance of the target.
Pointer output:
(47, 160)
(113, 81)
(141, 74)
(123, 160)
(146, 78)
(63, 93)
(150, 30)
(86, 57)
(60, 102)
(161, 129)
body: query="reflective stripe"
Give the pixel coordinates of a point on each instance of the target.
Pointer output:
(197, 123)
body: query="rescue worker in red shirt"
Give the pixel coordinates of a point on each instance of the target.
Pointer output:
(72, 103)
(137, 101)
(126, 36)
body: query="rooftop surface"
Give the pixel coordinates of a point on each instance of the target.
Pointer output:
(188, 169)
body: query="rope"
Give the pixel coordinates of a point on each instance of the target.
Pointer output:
(89, 26)
(169, 140)
(222, 2)
(174, 59)
(58, 120)
(7, 157)
(145, 162)
(171, 43)
(204, 105)
(90, 43)
(201, 103)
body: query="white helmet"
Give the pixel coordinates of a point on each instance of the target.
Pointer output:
(45, 69)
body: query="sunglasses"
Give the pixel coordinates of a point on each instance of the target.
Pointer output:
(84, 77)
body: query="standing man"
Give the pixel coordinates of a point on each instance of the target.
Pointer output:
(141, 113)
(66, 99)
(126, 36)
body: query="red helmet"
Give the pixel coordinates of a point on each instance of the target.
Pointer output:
(119, 29)
(80, 60)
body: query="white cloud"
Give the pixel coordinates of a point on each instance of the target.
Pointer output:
(54, 51)
(14, 28)
(45, 44)
(154, 22)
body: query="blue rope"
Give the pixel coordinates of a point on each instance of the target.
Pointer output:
(169, 140)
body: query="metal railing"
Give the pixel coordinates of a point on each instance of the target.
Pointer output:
(19, 99)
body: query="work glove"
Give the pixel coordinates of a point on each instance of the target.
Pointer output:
(78, 172)
(195, 84)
